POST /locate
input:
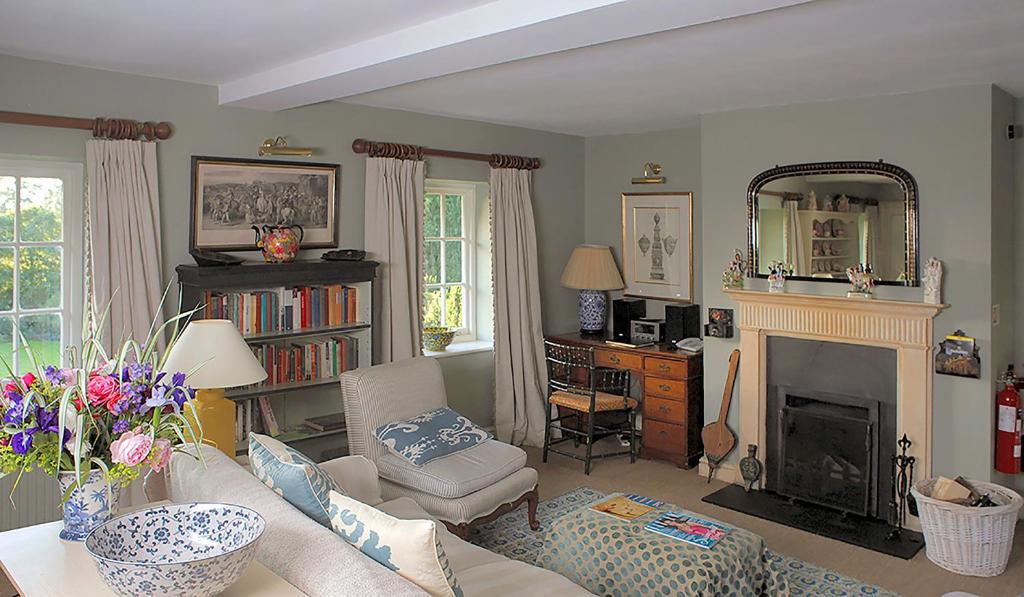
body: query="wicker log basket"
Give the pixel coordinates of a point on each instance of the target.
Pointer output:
(965, 540)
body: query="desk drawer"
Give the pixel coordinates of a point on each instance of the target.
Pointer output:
(670, 411)
(617, 360)
(670, 368)
(666, 388)
(664, 437)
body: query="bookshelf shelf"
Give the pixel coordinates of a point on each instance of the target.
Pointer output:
(276, 349)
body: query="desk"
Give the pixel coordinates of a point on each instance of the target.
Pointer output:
(36, 562)
(672, 392)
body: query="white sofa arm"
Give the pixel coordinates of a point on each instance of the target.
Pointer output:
(356, 476)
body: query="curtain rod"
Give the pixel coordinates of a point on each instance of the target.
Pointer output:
(383, 149)
(103, 128)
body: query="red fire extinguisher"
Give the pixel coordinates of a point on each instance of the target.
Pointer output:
(1008, 425)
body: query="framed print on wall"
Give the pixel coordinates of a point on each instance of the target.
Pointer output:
(231, 195)
(657, 245)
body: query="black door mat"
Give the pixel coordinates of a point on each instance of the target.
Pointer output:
(856, 530)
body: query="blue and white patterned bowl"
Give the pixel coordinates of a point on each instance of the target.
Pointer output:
(187, 550)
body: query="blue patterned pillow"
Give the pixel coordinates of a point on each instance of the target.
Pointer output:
(431, 435)
(293, 476)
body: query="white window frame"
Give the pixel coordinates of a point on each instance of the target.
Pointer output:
(72, 247)
(468, 332)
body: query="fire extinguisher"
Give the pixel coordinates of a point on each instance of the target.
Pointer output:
(1008, 425)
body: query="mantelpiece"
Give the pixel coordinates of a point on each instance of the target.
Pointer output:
(903, 326)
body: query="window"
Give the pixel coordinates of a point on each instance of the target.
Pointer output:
(40, 260)
(448, 257)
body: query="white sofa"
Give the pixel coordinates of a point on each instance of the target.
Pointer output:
(319, 563)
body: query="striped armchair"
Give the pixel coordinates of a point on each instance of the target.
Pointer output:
(462, 489)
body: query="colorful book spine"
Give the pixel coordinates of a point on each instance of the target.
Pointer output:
(285, 309)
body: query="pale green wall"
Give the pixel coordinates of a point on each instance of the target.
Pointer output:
(945, 139)
(201, 127)
(612, 160)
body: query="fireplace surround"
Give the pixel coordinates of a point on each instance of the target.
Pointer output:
(901, 330)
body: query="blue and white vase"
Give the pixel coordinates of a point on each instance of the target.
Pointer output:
(592, 308)
(88, 506)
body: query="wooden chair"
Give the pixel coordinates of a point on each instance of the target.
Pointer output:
(576, 385)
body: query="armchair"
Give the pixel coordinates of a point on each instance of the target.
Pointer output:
(462, 490)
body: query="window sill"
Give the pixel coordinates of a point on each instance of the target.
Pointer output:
(461, 348)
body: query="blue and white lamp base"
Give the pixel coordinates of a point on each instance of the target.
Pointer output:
(592, 307)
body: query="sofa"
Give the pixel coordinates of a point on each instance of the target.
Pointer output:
(320, 563)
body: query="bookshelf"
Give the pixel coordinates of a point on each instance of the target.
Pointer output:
(299, 395)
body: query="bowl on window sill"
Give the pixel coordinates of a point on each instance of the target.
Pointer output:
(437, 339)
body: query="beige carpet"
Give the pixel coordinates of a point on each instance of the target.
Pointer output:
(914, 578)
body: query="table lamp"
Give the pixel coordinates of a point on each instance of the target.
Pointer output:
(214, 356)
(592, 270)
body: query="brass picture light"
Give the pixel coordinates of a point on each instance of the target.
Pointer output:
(651, 175)
(279, 146)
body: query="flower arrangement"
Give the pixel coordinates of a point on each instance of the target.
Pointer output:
(121, 416)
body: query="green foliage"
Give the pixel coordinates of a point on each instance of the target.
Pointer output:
(40, 268)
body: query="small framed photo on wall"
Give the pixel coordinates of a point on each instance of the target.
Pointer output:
(657, 245)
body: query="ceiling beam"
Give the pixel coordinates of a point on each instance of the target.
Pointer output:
(494, 33)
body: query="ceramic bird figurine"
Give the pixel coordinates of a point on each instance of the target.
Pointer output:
(750, 467)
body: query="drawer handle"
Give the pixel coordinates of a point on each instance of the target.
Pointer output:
(663, 409)
(663, 433)
(664, 387)
(664, 367)
(615, 359)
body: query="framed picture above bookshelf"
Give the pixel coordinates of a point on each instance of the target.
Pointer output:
(307, 322)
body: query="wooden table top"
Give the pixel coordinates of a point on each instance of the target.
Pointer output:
(38, 563)
(657, 350)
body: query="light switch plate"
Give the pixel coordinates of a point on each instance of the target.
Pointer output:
(995, 314)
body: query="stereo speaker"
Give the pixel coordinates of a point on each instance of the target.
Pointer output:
(681, 321)
(624, 311)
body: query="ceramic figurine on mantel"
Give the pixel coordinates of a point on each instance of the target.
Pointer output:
(932, 280)
(732, 275)
(777, 272)
(862, 281)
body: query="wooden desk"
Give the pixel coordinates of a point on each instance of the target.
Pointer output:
(38, 563)
(672, 392)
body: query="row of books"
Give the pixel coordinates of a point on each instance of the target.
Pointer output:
(285, 309)
(308, 360)
(255, 416)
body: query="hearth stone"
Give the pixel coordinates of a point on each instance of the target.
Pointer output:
(864, 532)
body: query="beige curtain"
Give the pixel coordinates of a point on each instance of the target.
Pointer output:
(871, 238)
(520, 376)
(795, 239)
(394, 237)
(124, 237)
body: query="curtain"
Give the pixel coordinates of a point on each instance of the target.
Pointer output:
(795, 239)
(871, 237)
(124, 237)
(520, 376)
(394, 237)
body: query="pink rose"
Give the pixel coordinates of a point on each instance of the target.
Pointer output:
(102, 389)
(132, 448)
(28, 379)
(160, 455)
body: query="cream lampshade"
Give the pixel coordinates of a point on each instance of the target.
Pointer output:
(592, 270)
(213, 356)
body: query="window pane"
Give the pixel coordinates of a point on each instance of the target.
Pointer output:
(453, 215)
(39, 271)
(6, 278)
(454, 306)
(432, 215)
(7, 208)
(432, 262)
(432, 307)
(43, 335)
(453, 260)
(6, 344)
(41, 200)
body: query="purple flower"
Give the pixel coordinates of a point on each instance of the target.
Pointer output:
(15, 413)
(159, 398)
(21, 442)
(46, 420)
(121, 425)
(178, 379)
(53, 375)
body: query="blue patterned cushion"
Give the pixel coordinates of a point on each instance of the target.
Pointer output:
(408, 547)
(293, 476)
(431, 435)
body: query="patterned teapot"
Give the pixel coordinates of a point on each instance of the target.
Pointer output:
(280, 244)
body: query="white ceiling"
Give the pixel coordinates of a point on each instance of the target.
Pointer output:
(585, 67)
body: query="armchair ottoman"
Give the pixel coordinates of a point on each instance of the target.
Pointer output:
(462, 490)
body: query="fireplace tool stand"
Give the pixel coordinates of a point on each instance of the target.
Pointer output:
(902, 479)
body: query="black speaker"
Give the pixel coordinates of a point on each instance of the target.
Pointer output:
(624, 311)
(681, 321)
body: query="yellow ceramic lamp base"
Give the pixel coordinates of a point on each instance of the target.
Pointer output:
(217, 416)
